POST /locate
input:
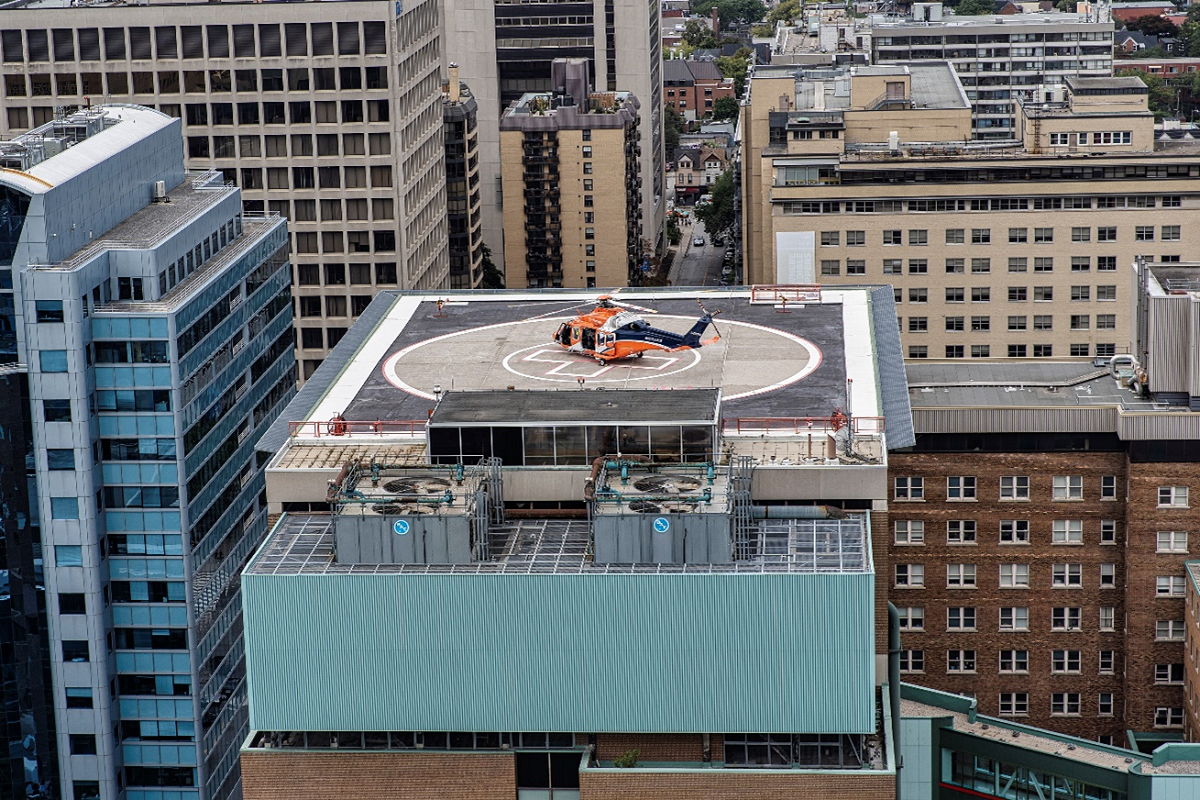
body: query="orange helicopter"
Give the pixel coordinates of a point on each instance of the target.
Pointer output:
(610, 332)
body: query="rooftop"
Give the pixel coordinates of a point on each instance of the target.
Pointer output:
(934, 84)
(303, 544)
(1100, 86)
(921, 702)
(69, 146)
(155, 222)
(542, 407)
(891, 24)
(773, 360)
(1001, 384)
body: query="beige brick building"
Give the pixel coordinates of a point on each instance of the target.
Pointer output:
(1009, 250)
(570, 164)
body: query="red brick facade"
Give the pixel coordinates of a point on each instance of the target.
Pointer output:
(1131, 595)
(735, 785)
(354, 775)
(333, 775)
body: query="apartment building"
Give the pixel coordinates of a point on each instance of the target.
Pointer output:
(693, 88)
(868, 175)
(1041, 527)
(331, 118)
(570, 164)
(465, 217)
(504, 50)
(999, 59)
(153, 323)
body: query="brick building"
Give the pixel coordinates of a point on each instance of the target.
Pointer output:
(1040, 528)
(692, 87)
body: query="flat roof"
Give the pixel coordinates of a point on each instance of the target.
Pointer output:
(303, 544)
(537, 407)
(1026, 737)
(1089, 85)
(770, 361)
(1003, 384)
(156, 222)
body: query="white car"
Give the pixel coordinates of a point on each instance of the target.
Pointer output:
(698, 241)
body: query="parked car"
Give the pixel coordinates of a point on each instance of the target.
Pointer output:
(698, 241)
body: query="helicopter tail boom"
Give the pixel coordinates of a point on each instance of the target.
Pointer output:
(692, 337)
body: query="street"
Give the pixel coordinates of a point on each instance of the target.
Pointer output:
(697, 266)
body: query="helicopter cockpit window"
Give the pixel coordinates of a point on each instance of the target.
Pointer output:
(563, 336)
(589, 338)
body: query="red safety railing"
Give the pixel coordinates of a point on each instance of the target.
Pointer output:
(802, 425)
(356, 427)
(785, 293)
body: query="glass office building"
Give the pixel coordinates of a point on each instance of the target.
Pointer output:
(151, 321)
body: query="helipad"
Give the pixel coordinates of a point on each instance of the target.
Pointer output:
(770, 360)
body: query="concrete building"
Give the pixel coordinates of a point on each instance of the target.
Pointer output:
(460, 116)
(868, 175)
(570, 165)
(999, 59)
(504, 50)
(152, 322)
(1041, 525)
(331, 118)
(508, 532)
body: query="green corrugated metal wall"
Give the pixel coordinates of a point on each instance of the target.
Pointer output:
(596, 653)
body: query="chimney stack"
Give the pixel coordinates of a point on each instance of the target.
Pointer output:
(455, 89)
(716, 23)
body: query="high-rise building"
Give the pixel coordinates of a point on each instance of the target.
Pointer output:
(600, 547)
(570, 168)
(1014, 250)
(504, 50)
(1041, 525)
(999, 59)
(29, 767)
(460, 116)
(332, 118)
(153, 319)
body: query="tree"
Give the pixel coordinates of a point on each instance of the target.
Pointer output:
(725, 108)
(674, 234)
(718, 215)
(735, 67)
(1152, 26)
(974, 8)
(697, 34)
(1162, 97)
(786, 10)
(672, 127)
(1065, 6)
(731, 12)
(492, 277)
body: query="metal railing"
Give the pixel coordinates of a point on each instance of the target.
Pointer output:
(803, 425)
(346, 427)
(776, 293)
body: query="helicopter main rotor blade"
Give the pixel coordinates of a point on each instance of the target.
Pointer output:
(556, 311)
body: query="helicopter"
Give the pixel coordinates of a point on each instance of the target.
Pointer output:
(610, 332)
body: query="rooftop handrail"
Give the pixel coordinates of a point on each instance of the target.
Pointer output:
(869, 426)
(346, 427)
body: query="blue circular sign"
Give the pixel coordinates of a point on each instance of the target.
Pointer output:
(400, 526)
(662, 524)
